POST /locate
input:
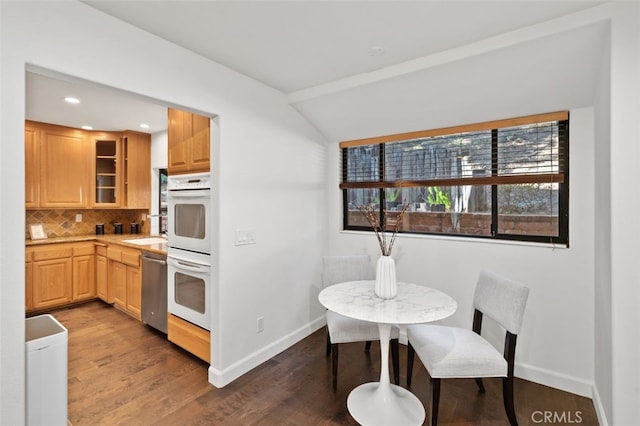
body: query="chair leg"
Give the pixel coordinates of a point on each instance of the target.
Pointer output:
(507, 396)
(334, 365)
(395, 361)
(410, 356)
(434, 387)
(328, 343)
(367, 346)
(480, 385)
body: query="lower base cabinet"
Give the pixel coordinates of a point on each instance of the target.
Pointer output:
(189, 337)
(52, 283)
(125, 279)
(61, 274)
(103, 290)
(84, 272)
(58, 275)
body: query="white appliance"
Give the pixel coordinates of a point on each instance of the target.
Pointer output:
(46, 371)
(189, 284)
(189, 202)
(189, 253)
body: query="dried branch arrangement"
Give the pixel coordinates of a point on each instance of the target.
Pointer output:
(373, 218)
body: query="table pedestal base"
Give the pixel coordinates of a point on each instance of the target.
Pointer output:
(384, 404)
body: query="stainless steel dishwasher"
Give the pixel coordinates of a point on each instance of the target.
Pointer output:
(154, 290)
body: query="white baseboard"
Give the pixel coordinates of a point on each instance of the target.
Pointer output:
(542, 376)
(566, 383)
(554, 379)
(222, 378)
(597, 403)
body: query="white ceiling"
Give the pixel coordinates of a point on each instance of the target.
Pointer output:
(347, 66)
(100, 107)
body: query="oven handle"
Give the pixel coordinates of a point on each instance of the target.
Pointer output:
(194, 193)
(183, 195)
(187, 266)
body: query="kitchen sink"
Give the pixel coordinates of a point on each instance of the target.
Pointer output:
(146, 241)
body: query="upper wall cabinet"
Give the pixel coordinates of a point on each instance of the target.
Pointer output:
(64, 167)
(32, 166)
(188, 139)
(122, 172)
(137, 171)
(72, 168)
(107, 169)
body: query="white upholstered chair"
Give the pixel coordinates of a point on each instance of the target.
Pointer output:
(451, 352)
(342, 329)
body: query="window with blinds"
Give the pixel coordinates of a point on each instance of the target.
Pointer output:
(505, 179)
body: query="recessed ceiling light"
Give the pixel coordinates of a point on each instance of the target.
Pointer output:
(87, 127)
(144, 126)
(71, 100)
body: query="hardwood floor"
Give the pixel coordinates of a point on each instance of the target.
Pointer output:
(122, 372)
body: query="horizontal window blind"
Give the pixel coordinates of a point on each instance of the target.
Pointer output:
(492, 153)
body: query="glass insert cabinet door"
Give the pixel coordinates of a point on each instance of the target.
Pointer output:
(106, 171)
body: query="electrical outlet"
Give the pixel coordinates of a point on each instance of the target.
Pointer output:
(79, 217)
(260, 325)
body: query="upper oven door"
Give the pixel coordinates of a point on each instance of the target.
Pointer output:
(189, 221)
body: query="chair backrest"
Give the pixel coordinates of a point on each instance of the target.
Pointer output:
(501, 299)
(338, 269)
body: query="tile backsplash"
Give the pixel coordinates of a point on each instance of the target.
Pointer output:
(62, 223)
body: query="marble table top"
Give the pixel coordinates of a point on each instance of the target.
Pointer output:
(414, 303)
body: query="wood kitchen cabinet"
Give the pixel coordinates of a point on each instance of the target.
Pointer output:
(118, 279)
(59, 274)
(56, 166)
(137, 171)
(189, 337)
(32, 166)
(134, 292)
(64, 167)
(189, 142)
(122, 170)
(125, 278)
(28, 279)
(106, 169)
(103, 290)
(74, 168)
(52, 276)
(84, 272)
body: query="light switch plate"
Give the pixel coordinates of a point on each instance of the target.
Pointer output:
(245, 236)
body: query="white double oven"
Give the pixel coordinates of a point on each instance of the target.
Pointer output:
(189, 241)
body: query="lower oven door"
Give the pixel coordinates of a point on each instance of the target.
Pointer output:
(189, 285)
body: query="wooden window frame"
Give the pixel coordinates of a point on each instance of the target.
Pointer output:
(493, 180)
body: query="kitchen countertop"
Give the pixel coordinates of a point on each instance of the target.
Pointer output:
(159, 248)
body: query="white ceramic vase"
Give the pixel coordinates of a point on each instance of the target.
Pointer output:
(386, 286)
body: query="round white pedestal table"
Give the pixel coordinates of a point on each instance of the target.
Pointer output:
(383, 403)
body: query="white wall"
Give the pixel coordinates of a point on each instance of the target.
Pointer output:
(602, 232)
(159, 150)
(580, 332)
(625, 205)
(568, 317)
(556, 343)
(259, 134)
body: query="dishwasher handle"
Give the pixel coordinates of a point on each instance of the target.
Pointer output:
(154, 260)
